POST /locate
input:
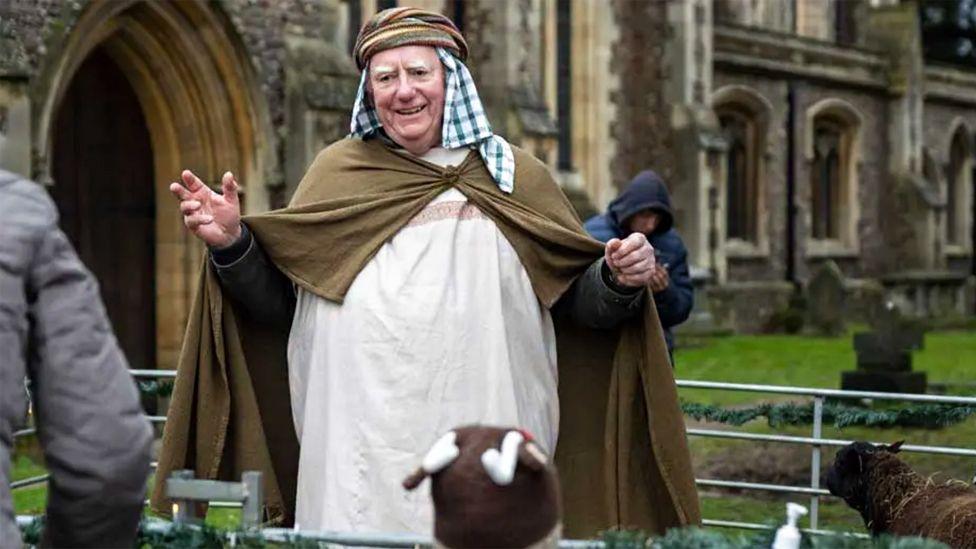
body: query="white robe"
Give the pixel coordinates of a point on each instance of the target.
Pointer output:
(440, 329)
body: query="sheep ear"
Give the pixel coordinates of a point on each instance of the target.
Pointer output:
(415, 479)
(851, 459)
(531, 456)
(895, 448)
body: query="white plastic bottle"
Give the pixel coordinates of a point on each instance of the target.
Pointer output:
(788, 535)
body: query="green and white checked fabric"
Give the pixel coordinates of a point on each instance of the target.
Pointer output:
(465, 123)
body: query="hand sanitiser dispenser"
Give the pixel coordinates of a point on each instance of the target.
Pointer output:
(788, 535)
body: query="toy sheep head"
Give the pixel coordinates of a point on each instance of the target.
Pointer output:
(848, 476)
(491, 487)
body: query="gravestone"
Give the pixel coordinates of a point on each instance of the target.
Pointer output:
(884, 356)
(825, 300)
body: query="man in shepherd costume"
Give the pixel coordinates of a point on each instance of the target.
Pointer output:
(426, 274)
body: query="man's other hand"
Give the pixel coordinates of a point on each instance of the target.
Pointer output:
(659, 279)
(214, 218)
(631, 260)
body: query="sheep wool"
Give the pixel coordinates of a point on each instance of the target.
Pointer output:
(893, 499)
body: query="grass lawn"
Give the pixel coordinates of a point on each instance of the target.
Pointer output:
(948, 357)
(29, 500)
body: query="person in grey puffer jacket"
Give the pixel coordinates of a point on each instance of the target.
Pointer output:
(54, 331)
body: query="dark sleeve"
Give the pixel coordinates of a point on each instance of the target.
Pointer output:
(95, 437)
(674, 302)
(596, 301)
(253, 281)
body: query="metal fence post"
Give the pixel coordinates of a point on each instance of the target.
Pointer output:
(815, 460)
(184, 510)
(254, 500)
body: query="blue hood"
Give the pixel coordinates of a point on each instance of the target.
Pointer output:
(645, 191)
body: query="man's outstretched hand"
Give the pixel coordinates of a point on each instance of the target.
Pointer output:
(214, 218)
(631, 260)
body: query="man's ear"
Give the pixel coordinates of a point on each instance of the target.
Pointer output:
(894, 448)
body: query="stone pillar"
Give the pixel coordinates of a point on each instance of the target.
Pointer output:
(505, 41)
(593, 82)
(696, 146)
(321, 81)
(909, 209)
(512, 60)
(15, 129)
(15, 121)
(894, 30)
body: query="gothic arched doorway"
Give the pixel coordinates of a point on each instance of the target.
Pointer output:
(186, 75)
(102, 161)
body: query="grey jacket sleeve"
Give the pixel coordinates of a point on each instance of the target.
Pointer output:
(595, 301)
(20, 219)
(253, 281)
(95, 437)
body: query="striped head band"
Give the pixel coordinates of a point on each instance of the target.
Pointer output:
(406, 26)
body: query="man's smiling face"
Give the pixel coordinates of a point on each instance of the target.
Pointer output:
(407, 88)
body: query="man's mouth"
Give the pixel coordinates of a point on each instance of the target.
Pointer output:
(408, 112)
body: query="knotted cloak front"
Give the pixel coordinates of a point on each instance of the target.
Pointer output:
(622, 453)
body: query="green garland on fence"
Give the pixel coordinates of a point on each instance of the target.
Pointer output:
(156, 388)
(179, 537)
(927, 416)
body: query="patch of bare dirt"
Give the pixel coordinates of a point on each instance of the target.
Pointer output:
(764, 463)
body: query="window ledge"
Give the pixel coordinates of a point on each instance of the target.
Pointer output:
(743, 249)
(830, 249)
(957, 250)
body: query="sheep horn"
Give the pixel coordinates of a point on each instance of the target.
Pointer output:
(441, 454)
(500, 466)
(415, 479)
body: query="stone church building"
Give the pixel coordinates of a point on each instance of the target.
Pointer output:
(791, 132)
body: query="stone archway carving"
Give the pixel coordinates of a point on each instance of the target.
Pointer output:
(744, 96)
(204, 110)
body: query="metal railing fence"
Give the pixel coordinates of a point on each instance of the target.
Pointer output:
(815, 441)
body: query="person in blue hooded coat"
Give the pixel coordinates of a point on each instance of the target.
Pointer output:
(644, 206)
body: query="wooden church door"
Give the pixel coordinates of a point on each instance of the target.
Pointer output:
(103, 174)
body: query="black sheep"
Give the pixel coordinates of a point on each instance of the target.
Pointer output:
(893, 499)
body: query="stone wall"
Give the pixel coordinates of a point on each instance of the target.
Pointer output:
(774, 15)
(24, 26)
(942, 121)
(32, 33)
(872, 257)
(641, 130)
(747, 307)
(939, 125)
(263, 27)
(771, 265)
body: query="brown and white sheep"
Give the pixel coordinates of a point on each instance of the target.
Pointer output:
(491, 487)
(893, 499)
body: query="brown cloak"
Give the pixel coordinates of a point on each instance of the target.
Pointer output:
(622, 453)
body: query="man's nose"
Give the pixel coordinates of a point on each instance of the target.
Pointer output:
(405, 89)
